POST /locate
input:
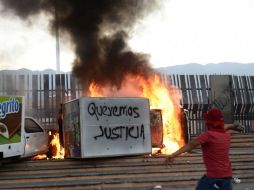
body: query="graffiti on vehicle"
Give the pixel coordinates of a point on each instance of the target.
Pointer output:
(112, 111)
(121, 132)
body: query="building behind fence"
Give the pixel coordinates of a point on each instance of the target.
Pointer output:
(44, 92)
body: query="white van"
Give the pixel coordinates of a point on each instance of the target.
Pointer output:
(36, 138)
(20, 136)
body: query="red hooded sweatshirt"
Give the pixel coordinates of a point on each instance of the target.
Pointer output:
(215, 144)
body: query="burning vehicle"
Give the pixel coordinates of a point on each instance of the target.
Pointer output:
(167, 118)
(105, 123)
(107, 127)
(107, 67)
(103, 127)
(20, 136)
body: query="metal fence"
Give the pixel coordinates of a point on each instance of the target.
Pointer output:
(45, 92)
(197, 99)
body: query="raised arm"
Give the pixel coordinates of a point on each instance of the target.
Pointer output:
(236, 126)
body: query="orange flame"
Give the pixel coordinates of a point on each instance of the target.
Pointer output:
(58, 150)
(94, 90)
(40, 157)
(168, 100)
(160, 96)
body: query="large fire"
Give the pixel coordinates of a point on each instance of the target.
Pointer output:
(160, 96)
(57, 150)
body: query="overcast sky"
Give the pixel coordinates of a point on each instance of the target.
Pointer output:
(185, 31)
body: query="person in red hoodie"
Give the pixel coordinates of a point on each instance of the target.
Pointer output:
(215, 145)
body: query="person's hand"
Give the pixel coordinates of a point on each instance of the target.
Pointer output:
(238, 126)
(169, 160)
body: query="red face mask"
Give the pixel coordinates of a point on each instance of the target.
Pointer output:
(215, 125)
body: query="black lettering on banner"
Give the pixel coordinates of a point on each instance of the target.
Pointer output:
(113, 133)
(135, 110)
(91, 110)
(101, 134)
(104, 111)
(130, 111)
(107, 133)
(122, 109)
(142, 132)
(116, 111)
(131, 134)
(112, 111)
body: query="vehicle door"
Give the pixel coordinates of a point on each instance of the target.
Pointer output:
(36, 139)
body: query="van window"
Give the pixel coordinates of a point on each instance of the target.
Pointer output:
(31, 126)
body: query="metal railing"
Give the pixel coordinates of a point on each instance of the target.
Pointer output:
(44, 92)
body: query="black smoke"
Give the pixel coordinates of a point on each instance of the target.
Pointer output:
(99, 29)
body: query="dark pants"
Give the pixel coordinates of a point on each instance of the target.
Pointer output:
(206, 183)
